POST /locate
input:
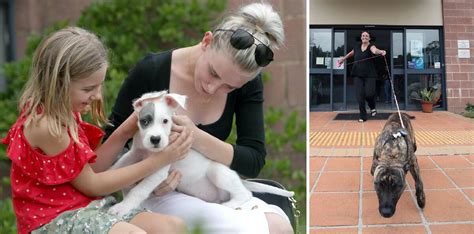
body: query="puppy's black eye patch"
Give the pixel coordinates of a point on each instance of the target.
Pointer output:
(165, 121)
(146, 120)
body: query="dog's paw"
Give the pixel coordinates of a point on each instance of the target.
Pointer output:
(120, 209)
(420, 199)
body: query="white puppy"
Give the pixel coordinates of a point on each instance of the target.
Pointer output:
(201, 177)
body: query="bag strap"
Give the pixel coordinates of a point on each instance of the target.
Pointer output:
(294, 207)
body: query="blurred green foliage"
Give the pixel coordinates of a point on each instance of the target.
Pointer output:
(469, 111)
(130, 31)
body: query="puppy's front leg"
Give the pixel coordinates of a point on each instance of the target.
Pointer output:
(415, 172)
(139, 193)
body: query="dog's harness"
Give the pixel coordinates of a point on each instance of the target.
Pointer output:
(399, 133)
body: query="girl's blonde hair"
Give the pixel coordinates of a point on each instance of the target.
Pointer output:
(260, 20)
(67, 55)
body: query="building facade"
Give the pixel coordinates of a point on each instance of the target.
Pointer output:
(429, 44)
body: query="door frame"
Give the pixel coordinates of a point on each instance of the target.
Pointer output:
(403, 71)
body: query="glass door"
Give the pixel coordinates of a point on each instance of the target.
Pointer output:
(327, 81)
(320, 69)
(397, 72)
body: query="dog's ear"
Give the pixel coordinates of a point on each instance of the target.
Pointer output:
(379, 169)
(174, 100)
(137, 104)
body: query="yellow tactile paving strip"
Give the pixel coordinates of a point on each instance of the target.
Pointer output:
(363, 139)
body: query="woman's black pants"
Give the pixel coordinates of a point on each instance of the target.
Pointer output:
(365, 91)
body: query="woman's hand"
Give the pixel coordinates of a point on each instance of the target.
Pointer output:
(183, 121)
(179, 146)
(382, 52)
(129, 127)
(168, 185)
(340, 61)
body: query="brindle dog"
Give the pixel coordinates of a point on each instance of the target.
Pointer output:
(394, 156)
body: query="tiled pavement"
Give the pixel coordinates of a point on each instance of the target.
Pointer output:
(342, 198)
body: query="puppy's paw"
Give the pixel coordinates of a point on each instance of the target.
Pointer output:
(120, 209)
(420, 199)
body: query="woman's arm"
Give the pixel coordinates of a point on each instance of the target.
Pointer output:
(347, 56)
(208, 145)
(376, 51)
(250, 149)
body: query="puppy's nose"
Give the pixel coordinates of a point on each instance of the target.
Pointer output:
(386, 212)
(155, 140)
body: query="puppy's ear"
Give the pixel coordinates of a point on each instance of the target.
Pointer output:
(147, 97)
(174, 100)
(137, 104)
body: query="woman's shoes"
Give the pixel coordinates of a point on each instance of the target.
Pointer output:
(361, 120)
(373, 112)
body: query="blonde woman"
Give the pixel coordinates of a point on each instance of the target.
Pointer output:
(220, 76)
(57, 183)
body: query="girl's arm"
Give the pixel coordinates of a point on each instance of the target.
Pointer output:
(103, 183)
(99, 184)
(108, 151)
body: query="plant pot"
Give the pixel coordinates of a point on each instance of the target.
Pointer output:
(426, 107)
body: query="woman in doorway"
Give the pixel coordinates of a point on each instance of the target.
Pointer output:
(220, 77)
(364, 73)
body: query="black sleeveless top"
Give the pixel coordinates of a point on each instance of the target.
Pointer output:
(364, 68)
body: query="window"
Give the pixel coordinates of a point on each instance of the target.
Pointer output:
(5, 40)
(423, 49)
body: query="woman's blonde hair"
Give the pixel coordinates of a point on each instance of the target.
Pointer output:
(260, 20)
(67, 55)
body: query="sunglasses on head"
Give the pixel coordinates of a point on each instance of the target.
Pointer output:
(242, 39)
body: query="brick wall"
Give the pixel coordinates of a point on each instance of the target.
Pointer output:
(32, 16)
(458, 18)
(287, 88)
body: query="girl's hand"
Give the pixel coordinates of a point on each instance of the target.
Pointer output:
(383, 52)
(178, 148)
(168, 185)
(129, 127)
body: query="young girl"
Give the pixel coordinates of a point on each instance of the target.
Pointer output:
(220, 76)
(55, 181)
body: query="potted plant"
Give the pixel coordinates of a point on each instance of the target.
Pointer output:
(427, 100)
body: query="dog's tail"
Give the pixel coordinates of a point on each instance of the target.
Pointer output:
(263, 188)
